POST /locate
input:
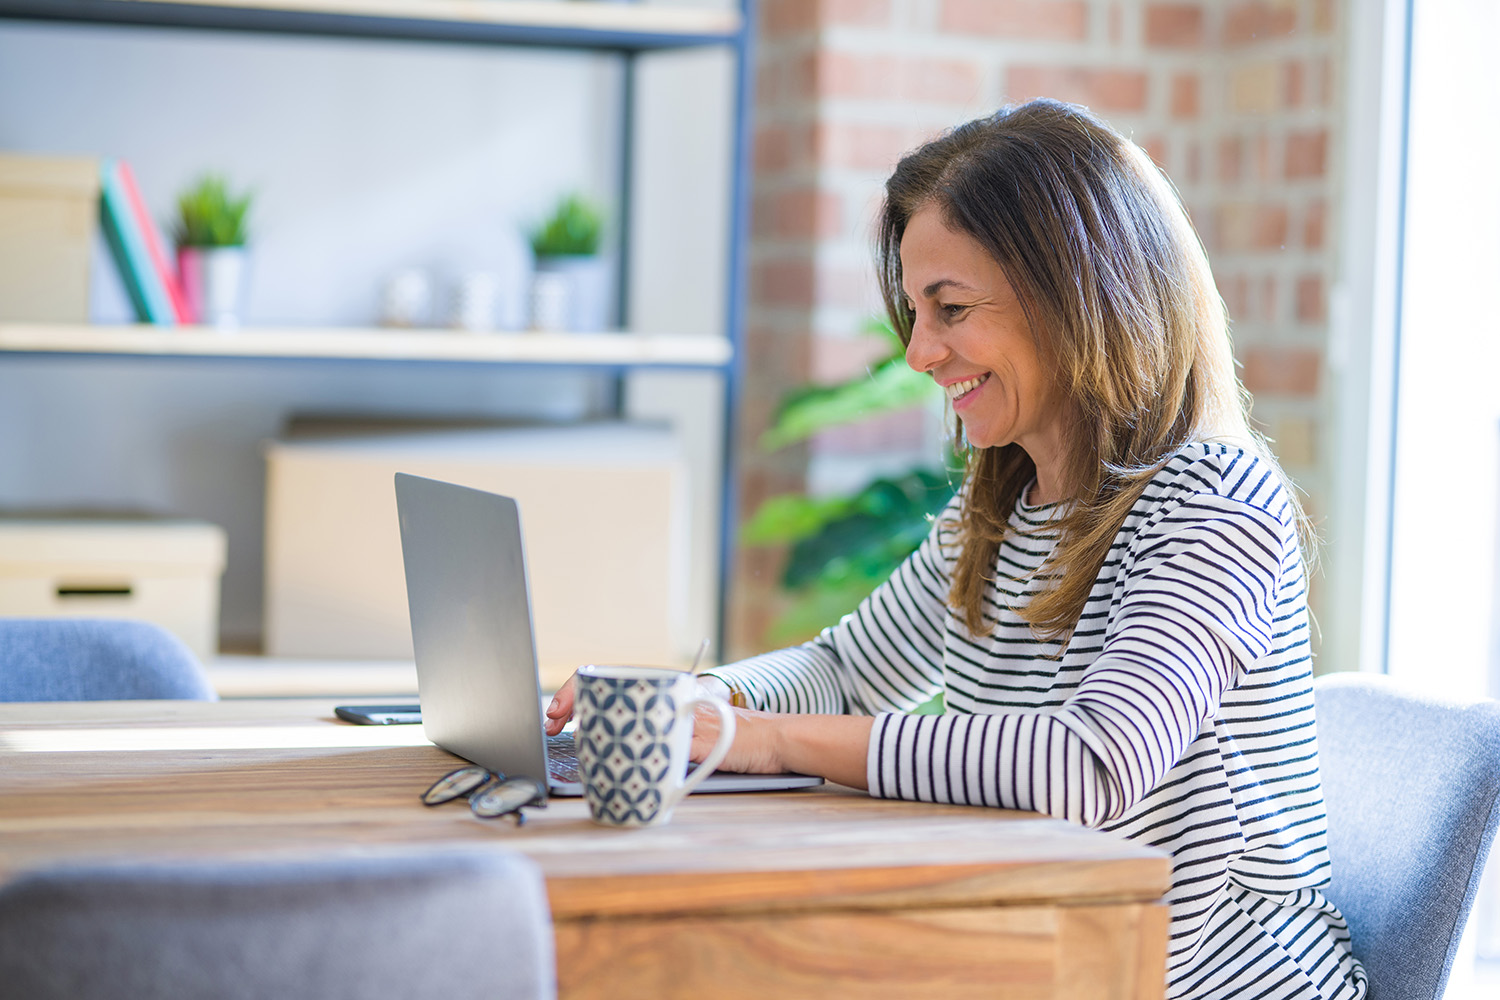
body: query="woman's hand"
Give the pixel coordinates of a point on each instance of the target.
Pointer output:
(830, 746)
(755, 749)
(561, 708)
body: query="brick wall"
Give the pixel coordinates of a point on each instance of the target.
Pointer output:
(1234, 98)
(1266, 201)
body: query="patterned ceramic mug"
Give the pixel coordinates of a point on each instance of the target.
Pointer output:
(634, 730)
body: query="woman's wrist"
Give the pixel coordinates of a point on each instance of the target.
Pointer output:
(836, 747)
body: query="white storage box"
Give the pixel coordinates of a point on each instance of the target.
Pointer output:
(603, 515)
(157, 570)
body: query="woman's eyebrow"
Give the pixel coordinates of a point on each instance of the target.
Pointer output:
(942, 283)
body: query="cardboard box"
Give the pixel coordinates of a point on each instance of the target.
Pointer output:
(49, 207)
(603, 515)
(156, 570)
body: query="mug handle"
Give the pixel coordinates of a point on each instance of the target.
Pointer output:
(720, 750)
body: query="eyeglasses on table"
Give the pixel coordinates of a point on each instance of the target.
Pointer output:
(490, 794)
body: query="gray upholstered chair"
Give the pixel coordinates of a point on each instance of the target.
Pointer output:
(1413, 792)
(439, 926)
(95, 659)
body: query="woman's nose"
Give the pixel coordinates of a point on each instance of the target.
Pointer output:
(924, 351)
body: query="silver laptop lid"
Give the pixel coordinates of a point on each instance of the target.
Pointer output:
(472, 632)
(471, 625)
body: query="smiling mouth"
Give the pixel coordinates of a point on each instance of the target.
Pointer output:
(958, 390)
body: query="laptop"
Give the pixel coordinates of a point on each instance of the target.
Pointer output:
(477, 678)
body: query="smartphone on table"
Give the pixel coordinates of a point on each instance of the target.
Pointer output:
(380, 715)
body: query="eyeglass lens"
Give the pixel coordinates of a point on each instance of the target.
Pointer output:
(455, 785)
(489, 795)
(506, 797)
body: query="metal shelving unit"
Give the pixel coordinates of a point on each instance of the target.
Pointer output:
(618, 27)
(624, 29)
(608, 351)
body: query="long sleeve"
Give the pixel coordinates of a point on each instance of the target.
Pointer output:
(886, 655)
(1193, 607)
(1178, 713)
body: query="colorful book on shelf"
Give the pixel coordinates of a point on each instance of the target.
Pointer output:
(155, 245)
(127, 242)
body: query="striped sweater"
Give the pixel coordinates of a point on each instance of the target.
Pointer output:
(1179, 712)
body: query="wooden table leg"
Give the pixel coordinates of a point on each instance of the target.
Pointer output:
(1112, 952)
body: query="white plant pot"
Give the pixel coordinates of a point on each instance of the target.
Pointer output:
(213, 283)
(582, 284)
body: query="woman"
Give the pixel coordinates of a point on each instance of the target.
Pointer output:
(1114, 605)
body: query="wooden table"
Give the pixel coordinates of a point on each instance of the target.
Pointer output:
(817, 893)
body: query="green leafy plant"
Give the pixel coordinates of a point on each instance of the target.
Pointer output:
(890, 386)
(843, 547)
(209, 216)
(573, 229)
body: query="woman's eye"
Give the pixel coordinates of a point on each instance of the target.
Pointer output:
(951, 311)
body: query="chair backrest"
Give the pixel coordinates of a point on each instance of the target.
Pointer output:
(444, 926)
(1412, 786)
(96, 659)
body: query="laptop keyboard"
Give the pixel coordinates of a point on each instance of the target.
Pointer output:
(562, 758)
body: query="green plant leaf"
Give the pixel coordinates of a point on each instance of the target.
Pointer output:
(892, 386)
(880, 326)
(789, 517)
(573, 229)
(817, 608)
(880, 526)
(844, 547)
(209, 216)
(933, 706)
(858, 545)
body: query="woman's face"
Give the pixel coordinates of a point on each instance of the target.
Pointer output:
(972, 336)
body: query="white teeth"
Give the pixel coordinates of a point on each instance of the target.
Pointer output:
(959, 388)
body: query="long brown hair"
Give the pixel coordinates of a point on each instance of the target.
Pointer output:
(1120, 300)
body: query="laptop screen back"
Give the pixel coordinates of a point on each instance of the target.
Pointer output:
(471, 625)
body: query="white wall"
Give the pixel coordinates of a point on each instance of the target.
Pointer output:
(1447, 495)
(366, 157)
(1446, 504)
(1362, 339)
(678, 281)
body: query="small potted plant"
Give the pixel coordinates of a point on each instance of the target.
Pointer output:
(570, 289)
(211, 236)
